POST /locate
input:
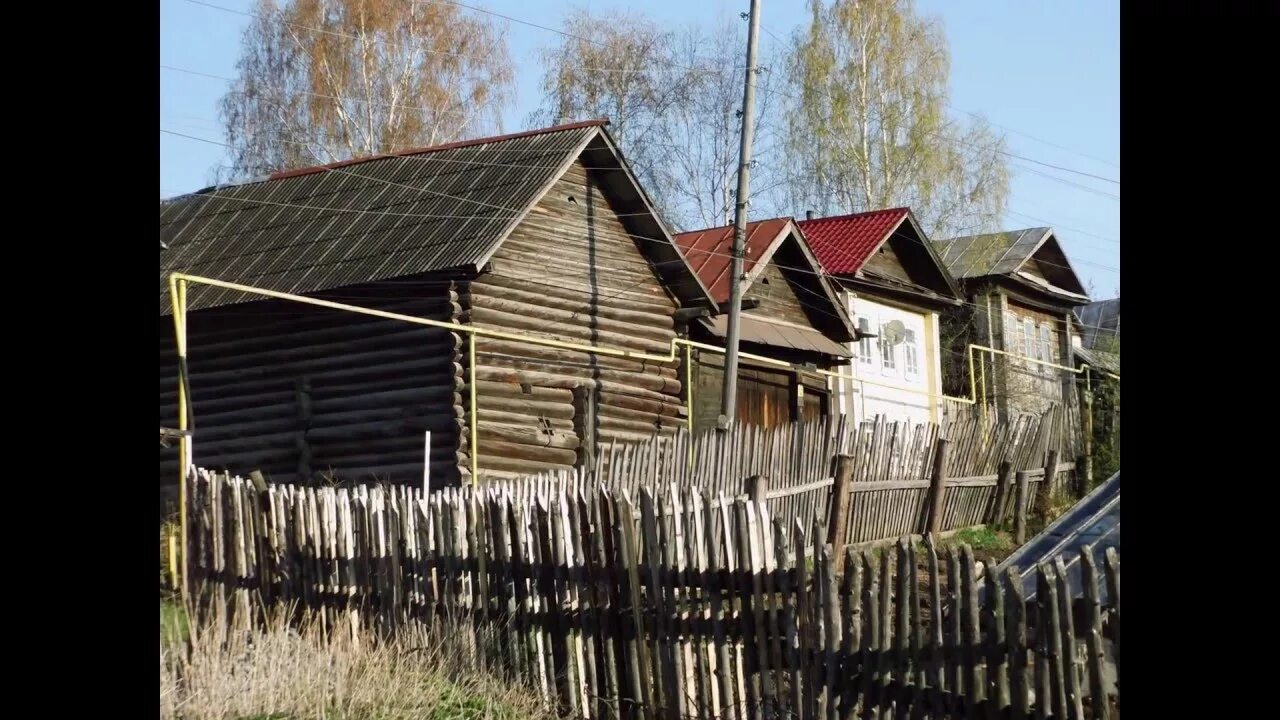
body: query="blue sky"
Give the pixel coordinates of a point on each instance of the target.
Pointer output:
(1047, 74)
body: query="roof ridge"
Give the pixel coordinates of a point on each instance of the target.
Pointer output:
(731, 225)
(864, 213)
(296, 172)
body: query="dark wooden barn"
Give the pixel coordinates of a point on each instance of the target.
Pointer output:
(542, 234)
(791, 313)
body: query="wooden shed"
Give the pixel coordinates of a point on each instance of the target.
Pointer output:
(542, 234)
(791, 313)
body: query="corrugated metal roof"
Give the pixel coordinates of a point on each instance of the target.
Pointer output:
(364, 220)
(708, 252)
(999, 253)
(843, 243)
(1099, 320)
(1094, 521)
(1101, 359)
(765, 332)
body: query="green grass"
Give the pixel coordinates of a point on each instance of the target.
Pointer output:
(987, 542)
(173, 622)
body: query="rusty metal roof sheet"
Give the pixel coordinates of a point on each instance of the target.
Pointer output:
(709, 252)
(767, 332)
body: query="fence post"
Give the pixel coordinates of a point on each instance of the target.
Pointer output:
(1020, 509)
(1045, 496)
(758, 488)
(584, 424)
(1086, 471)
(996, 516)
(937, 488)
(838, 508)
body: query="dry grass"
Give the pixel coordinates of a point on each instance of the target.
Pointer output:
(284, 672)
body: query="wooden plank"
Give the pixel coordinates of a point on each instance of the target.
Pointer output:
(788, 568)
(851, 642)
(637, 657)
(953, 654)
(901, 697)
(715, 582)
(663, 671)
(839, 506)
(885, 669)
(938, 487)
(937, 678)
(1020, 508)
(1047, 595)
(804, 630)
(1070, 658)
(1111, 558)
(871, 645)
(995, 644)
(1003, 479)
(1016, 634)
(975, 684)
(1099, 705)
(831, 606)
(749, 530)
(670, 576)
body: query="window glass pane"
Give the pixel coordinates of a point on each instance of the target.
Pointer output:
(909, 350)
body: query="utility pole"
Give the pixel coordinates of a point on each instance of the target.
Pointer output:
(728, 401)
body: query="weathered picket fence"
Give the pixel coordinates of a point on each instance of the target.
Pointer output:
(893, 469)
(674, 604)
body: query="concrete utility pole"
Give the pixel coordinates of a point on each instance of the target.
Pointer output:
(728, 401)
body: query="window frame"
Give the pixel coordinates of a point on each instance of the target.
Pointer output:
(865, 352)
(910, 355)
(888, 363)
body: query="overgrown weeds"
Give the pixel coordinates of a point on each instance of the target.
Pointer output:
(286, 670)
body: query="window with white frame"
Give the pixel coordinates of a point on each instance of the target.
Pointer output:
(888, 361)
(864, 345)
(1046, 343)
(910, 360)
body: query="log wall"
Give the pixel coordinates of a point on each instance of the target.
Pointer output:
(570, 272)
(301, 392)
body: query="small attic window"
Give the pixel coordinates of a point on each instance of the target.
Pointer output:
(764, 281)
(573, 199)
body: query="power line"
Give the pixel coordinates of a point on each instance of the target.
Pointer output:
(637, 237)
(514, 211)
(1065, 181)
(429, 51)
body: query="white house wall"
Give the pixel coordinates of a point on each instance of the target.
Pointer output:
(891, 389)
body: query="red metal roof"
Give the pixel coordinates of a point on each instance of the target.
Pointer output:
(708, 252)
(843, 243)
(435, 148)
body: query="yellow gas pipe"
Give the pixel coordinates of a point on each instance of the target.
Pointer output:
(177, 294)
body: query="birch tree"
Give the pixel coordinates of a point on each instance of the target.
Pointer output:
(327, 80)
(869, 128)
(673, 98)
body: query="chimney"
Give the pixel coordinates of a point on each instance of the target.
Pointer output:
(808, 214)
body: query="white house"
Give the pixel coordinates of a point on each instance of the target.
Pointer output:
(895, 287)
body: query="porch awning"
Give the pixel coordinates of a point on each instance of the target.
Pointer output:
(765, 332)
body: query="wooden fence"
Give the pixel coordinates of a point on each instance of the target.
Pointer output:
(893, 470)
(697, 609)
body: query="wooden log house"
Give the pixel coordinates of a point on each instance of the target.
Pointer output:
(1020, 292)
(542, 234)
(791, 313)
